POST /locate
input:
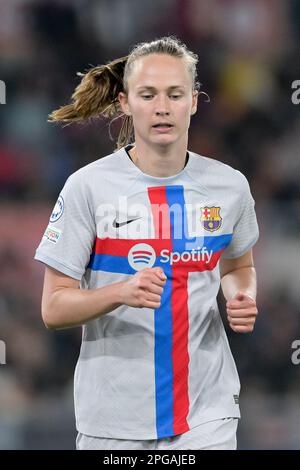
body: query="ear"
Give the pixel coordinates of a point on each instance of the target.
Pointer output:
(123, 99)
(194, 102)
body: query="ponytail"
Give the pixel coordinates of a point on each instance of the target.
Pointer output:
(96, 95)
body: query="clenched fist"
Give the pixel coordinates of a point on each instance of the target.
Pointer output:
(241, 313)
(144, 289)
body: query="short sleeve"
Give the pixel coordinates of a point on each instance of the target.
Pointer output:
(68, 240)
(245, 230)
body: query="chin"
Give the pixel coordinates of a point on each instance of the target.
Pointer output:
(164, 139)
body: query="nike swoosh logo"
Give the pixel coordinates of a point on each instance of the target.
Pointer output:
(119, 224)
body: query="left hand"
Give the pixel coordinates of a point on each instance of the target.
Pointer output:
(241, 313)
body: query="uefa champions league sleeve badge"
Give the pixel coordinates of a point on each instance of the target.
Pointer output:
(58, 210)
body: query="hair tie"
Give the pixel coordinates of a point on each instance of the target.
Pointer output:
(116, 75)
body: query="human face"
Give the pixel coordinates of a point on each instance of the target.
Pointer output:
(160, 99)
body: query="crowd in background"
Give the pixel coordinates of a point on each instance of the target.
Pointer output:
(248, 58)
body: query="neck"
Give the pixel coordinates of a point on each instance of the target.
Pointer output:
(161, 161)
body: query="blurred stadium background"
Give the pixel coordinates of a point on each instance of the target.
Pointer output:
(248, 58)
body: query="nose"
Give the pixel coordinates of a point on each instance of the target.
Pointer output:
(162, 113)
(162, 107)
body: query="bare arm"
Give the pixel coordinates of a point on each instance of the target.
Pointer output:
(64, 305)
(238, 281)
(238, 274)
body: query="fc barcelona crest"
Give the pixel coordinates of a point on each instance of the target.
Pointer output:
(210, 218)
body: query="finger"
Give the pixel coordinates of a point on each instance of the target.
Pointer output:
(154, 305)
(241, 321)
(242, 313)
(148, 277)
(149, 297)
(155, 288)
(240, 303)
(159, 281)
(159, 273)
(242, 329)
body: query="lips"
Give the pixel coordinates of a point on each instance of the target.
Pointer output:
(162, 127)
(162, 124)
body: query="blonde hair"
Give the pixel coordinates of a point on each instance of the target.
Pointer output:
(97, 93)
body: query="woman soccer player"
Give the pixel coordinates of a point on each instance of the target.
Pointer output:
(143, 233)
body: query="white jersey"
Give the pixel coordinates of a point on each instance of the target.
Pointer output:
(144, 373)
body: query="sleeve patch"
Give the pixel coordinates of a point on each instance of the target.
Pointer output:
(58, 210)
(52, 234)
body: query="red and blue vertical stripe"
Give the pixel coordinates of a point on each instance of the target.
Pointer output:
(171, 320)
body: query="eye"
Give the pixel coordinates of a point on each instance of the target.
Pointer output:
(175, 97)
(147, 97)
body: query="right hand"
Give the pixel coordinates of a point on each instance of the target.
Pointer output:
(144, 289)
